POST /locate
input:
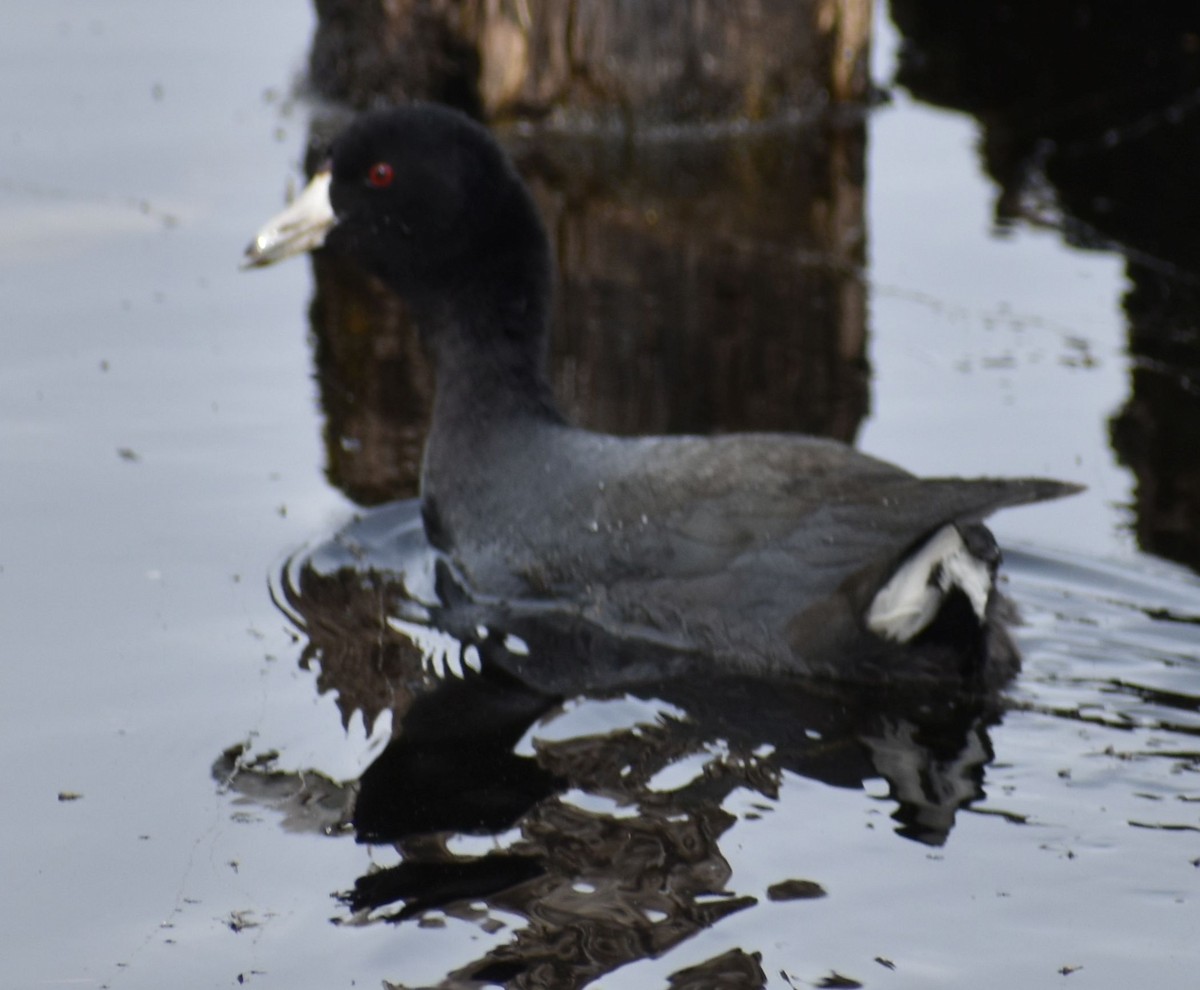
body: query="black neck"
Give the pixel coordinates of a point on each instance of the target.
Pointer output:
(486, 325)
(492, 394)
(490, 365)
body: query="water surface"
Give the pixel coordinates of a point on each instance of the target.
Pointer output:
(165, 451)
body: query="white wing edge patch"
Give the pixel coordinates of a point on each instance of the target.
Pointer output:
(906, 605)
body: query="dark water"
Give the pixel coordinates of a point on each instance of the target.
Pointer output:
(167, 443)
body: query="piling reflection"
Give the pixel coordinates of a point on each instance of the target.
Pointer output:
(538, 769)
(706, 283)
(1091, 124)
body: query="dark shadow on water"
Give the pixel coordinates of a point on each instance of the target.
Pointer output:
(1090, 116)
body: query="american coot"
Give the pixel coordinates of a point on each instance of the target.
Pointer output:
(763, 552)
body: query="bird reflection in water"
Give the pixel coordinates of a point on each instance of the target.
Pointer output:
(600, 787)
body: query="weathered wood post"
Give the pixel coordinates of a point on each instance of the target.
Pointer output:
(639, 62)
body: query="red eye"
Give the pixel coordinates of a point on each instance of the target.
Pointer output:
(380, 175)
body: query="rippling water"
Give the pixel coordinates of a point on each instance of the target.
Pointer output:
(925, 837)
